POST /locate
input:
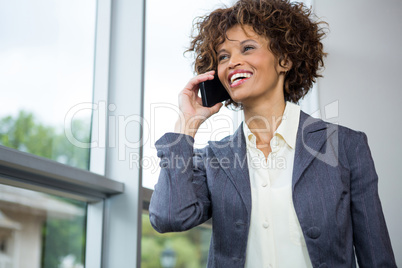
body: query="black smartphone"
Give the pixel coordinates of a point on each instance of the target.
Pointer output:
(212, 92)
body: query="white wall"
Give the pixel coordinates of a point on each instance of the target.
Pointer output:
(363, 72)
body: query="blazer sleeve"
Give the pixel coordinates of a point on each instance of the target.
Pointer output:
(370, 234)
(180, 200)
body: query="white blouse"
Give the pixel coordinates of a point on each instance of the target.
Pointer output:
(275, 238)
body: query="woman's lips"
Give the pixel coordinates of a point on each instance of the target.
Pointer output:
(239, 82)
(238, 77)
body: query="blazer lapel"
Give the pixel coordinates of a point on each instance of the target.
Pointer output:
(234, 150)
(312, 134)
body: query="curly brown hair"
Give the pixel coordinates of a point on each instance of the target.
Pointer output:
(290, 28)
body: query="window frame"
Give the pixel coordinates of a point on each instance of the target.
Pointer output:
(32, 172)
(36, 173)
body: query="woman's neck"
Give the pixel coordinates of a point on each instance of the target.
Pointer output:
(264, 119)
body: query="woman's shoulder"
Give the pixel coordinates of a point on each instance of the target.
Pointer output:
(307, 121)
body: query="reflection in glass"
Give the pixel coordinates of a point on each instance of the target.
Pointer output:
(40, 231)
(190, 248)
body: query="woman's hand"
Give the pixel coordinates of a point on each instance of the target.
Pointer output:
(193, 114)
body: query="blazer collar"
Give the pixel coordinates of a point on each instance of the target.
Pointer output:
(312, 134)
(232, 157)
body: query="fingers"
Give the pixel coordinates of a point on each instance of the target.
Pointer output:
(214, 109)
(195, 81)
(190, 102)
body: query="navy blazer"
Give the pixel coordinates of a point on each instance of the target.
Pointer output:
(334, 191)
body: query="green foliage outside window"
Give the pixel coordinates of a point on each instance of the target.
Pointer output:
(26, 134)
(60, 237)
(191, 247)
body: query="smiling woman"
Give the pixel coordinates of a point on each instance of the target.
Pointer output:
(267, 54)
(302, 46)
(245, 57)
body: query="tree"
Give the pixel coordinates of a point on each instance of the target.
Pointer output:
(24, 133)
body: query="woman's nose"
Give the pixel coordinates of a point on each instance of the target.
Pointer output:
(235, 60)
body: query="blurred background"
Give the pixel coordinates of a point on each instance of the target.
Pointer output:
(91, 85)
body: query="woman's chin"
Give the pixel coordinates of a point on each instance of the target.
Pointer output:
(237, 98)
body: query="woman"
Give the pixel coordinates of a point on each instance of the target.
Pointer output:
(285, 190)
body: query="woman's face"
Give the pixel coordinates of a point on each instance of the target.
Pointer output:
(247, 68)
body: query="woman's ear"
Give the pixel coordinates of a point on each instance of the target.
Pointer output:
(286, 64)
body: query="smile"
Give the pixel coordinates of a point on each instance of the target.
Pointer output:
(239, 77)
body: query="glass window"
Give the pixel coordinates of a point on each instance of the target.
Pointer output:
(46, 72)
(38, 230)
(167, 71)
(179, 250)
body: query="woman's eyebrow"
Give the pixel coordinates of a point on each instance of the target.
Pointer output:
(220, 51)
(240, 42)
(248, 40)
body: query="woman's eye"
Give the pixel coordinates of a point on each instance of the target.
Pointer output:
(222, 57)
(247, 48)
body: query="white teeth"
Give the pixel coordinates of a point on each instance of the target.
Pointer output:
(235, 76)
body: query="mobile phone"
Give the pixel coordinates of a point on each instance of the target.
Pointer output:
(212, 92)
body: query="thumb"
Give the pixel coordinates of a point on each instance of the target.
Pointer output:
(216, 108)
